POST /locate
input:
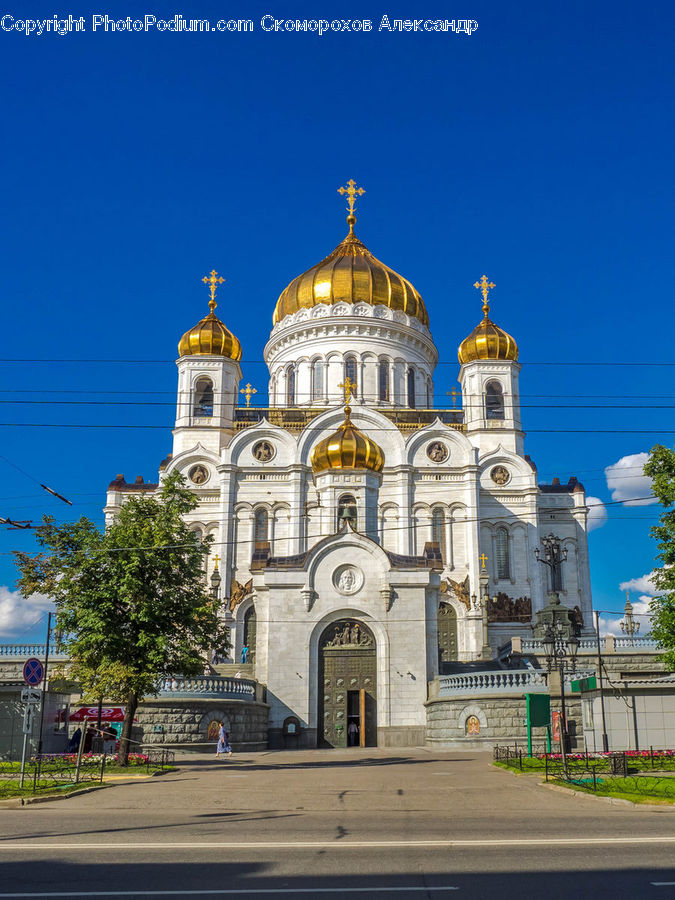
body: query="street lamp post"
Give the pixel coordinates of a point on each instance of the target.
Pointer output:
(559, 646)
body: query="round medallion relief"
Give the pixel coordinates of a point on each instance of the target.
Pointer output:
(263, 451)
(198, 474)
(500, 475)
(347, 579)
(437, 452)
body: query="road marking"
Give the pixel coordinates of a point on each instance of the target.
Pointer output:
(235, 891)
(663, 883)
(310, 845)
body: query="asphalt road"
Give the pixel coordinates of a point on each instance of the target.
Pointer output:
(360, 823)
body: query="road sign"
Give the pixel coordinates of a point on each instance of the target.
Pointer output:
(28, 714)
(33, 671)
(581, 685)
(31, 695)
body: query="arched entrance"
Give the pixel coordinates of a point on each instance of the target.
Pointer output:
(347, 676)
(447, 636)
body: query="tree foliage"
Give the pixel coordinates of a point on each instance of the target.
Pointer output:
(131, 602)
(660, 467)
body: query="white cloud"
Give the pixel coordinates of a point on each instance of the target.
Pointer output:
(597, 513)
(626, 481)
(643, 585)
(19, 613)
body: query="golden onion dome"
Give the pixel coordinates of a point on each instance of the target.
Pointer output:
(487, 340)
(210, 336)
(348, 448)
(351, 274)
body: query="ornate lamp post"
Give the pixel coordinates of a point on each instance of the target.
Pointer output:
(629, 626)
(560, 648)
(553, 558)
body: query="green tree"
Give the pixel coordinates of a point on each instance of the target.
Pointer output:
(660, 467)
(131, 601)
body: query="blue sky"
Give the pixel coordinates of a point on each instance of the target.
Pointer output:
(537, 151)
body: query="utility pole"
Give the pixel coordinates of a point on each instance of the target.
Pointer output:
(44, 691)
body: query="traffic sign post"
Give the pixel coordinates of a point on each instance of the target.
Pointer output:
(31, 695)
(33, 671)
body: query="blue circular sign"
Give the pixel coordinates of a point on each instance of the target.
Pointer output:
(33, 671)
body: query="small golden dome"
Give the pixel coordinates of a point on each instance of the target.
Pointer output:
(351, 274)
(487, 340)
(210, 337)
(348, 448)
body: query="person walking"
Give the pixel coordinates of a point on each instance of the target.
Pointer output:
(223, 747)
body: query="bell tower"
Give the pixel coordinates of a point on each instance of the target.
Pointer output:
(208, 381)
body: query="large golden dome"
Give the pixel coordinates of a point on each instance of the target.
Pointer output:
(487, 340)
(351, 274)
(348, 448)
(210, 337)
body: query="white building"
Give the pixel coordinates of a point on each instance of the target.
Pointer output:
(360, 550)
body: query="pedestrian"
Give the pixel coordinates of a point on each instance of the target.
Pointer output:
(352, 734)
(109, 736)
(89, 736)
(244, 654)
(74, 742)
(223, 746)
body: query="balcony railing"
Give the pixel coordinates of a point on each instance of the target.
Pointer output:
(295, 418)
(608, 644)
(26, 651)
(210, 687)
(501, 681)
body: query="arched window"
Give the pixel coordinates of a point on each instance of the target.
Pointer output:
(290, 386)
(502, 553)
(438, 528)
(203, 405)
(430, 394)
(383, 380)
(350, 369)
(261, 525)
(411, 388)
(494, 401)
(346, 511)
(317, 379)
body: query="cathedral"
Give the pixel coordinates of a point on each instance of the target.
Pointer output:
(366, 537)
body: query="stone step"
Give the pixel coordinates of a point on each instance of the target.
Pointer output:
(230, 669)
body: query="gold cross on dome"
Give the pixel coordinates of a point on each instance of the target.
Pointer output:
(249, 391)
(349, 387)
(483, 559)
(351, 190)
(213, 283)
(454, 393)
(485, 286)
(216, 560)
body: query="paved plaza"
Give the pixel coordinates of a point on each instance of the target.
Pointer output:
(406, 824)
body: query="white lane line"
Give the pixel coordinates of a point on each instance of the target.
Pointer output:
(663, 883)
(310, 845)
(236, 891)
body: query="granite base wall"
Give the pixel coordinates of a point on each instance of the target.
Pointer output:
(502, 719)
(183, 723)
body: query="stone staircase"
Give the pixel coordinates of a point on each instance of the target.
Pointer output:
(229, 670)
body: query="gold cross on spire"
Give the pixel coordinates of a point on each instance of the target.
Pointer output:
(351, 191)
(216, 560)
(454, 393)
(485, 286)
(482, 559)
(213, 283)
(249, 391)
(349, 388)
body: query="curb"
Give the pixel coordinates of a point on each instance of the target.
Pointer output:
(18, 802)
(612, 801)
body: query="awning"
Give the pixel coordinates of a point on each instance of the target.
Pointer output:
(108, 714)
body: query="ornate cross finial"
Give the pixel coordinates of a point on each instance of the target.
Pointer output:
(216, 560)
(349, 388)
(483, 559)
(213, 283)
(249, 391)
(454, 393)
(351, 191)
(485, 286)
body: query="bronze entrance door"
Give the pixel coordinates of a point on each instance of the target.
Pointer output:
(447, 636)
(347, 686)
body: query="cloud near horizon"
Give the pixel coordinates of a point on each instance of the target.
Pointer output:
(597, 513)
(19, 614)
(646, 589)
(626, 480)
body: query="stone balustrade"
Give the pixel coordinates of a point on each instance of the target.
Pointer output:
(26, 651)
(608, 644)
(506, 681)
(206, 687)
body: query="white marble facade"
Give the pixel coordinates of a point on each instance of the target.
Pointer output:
(464, 484)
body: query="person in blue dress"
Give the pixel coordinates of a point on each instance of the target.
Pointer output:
(223, 747)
